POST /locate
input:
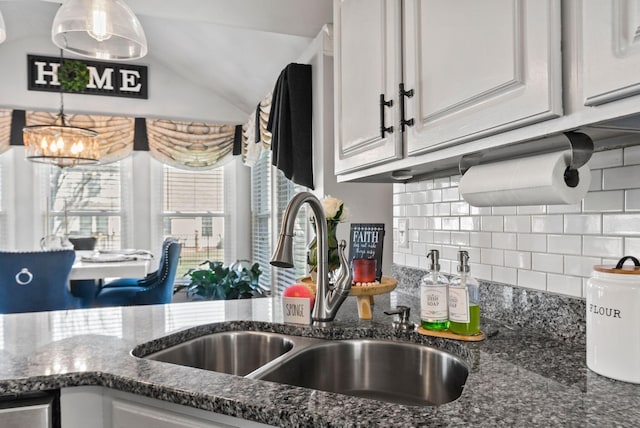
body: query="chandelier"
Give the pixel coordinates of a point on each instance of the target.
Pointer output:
(60, 143)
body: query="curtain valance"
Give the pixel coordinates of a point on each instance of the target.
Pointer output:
(5, 129)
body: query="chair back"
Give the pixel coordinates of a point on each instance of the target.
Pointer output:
(36, 281)
(84, 243)
(159, 286)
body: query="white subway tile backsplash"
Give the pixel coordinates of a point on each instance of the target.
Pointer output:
(565, 209)
(450, 223)
(602, 246)
(632, 200)
(442, 209)
(564, 244)
(480, 239)
(547, 262)
(439, 183)
(514, 223)
(492, 223)
(450, 194)
(596, 180)
(626, 177)
(621, 224)
(532, 242)
(546, 223)
(469, 223)
(531, 209)
(580, 266)
(504, 275)
(632, 247)
(459, 208)
(550, 247)
(505, 241)
(606, 159)
(612, 200)
(530, 279)
(632, 155)
(582, 224)
(517, 259)
(460, 238)
(563, 284)
(491, 257)
(479, 210)
(503, 210)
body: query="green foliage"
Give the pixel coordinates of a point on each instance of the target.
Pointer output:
(73, 76)
(219, 282)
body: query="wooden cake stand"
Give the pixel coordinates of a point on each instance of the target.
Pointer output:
(365, 293)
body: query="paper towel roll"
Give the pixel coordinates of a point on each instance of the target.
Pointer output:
(533, 180)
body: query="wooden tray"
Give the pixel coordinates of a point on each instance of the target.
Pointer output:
(364, 293)
(449, 335)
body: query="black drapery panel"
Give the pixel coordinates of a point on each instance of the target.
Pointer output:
(18, 121)
(290, 124)
(237, 141)
(140, 139)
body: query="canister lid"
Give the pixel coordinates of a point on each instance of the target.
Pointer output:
(620, 268)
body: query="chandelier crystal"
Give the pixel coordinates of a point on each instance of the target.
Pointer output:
(3, 29)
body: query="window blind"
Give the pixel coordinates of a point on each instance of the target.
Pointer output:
(193, 212)
(87, 201)
(261, 216)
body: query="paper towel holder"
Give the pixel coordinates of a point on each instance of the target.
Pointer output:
(580, 144)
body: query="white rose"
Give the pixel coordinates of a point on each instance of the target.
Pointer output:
(331, 207)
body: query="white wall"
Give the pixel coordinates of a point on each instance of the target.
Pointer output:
(170, 96)
(547, 247)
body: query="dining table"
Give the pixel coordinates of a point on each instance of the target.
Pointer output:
(92, 265)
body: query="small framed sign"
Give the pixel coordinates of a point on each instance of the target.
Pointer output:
(296, 310)
(366, 243)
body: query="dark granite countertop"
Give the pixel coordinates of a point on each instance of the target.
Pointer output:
(517, 378)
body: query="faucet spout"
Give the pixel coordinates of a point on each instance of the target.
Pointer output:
(328, 300)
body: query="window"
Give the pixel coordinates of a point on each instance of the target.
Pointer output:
(270, 193)
(193, 210)
(87, 201)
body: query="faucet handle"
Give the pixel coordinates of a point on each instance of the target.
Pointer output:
(403, 315)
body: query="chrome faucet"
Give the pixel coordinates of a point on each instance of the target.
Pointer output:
(328, 298)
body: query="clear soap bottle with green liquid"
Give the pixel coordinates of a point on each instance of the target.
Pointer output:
(433, 296)
(464, 300)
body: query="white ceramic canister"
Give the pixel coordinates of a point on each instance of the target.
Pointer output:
(613, 321)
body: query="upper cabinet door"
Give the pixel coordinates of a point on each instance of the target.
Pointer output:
(367, 65)
(610, 45)
(479, 67)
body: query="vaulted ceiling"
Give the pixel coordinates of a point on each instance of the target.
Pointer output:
(233, 48)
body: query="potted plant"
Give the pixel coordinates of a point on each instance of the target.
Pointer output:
(218, 282)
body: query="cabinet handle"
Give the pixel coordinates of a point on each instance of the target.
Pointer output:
(383, 104)
(404, 94)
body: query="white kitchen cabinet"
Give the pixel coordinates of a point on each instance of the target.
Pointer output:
(97, 407)
(609, 40)
(479, 68)
(367, 67)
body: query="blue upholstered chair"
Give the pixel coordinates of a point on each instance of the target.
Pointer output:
(155, 288)
(36, 281)
(84, 289)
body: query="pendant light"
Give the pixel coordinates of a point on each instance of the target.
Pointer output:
(3, 29)
(101, 29)
(59, 143)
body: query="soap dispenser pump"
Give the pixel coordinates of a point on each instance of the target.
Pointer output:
(464, 300)
(433, 296)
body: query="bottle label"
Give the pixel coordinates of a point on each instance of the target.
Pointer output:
(459, 304)
(433, 304)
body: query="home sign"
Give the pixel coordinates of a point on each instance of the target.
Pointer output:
(105, 78)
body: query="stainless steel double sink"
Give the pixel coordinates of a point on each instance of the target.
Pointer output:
(396, 372)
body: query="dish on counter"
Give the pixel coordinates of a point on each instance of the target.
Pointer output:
(107, 258)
